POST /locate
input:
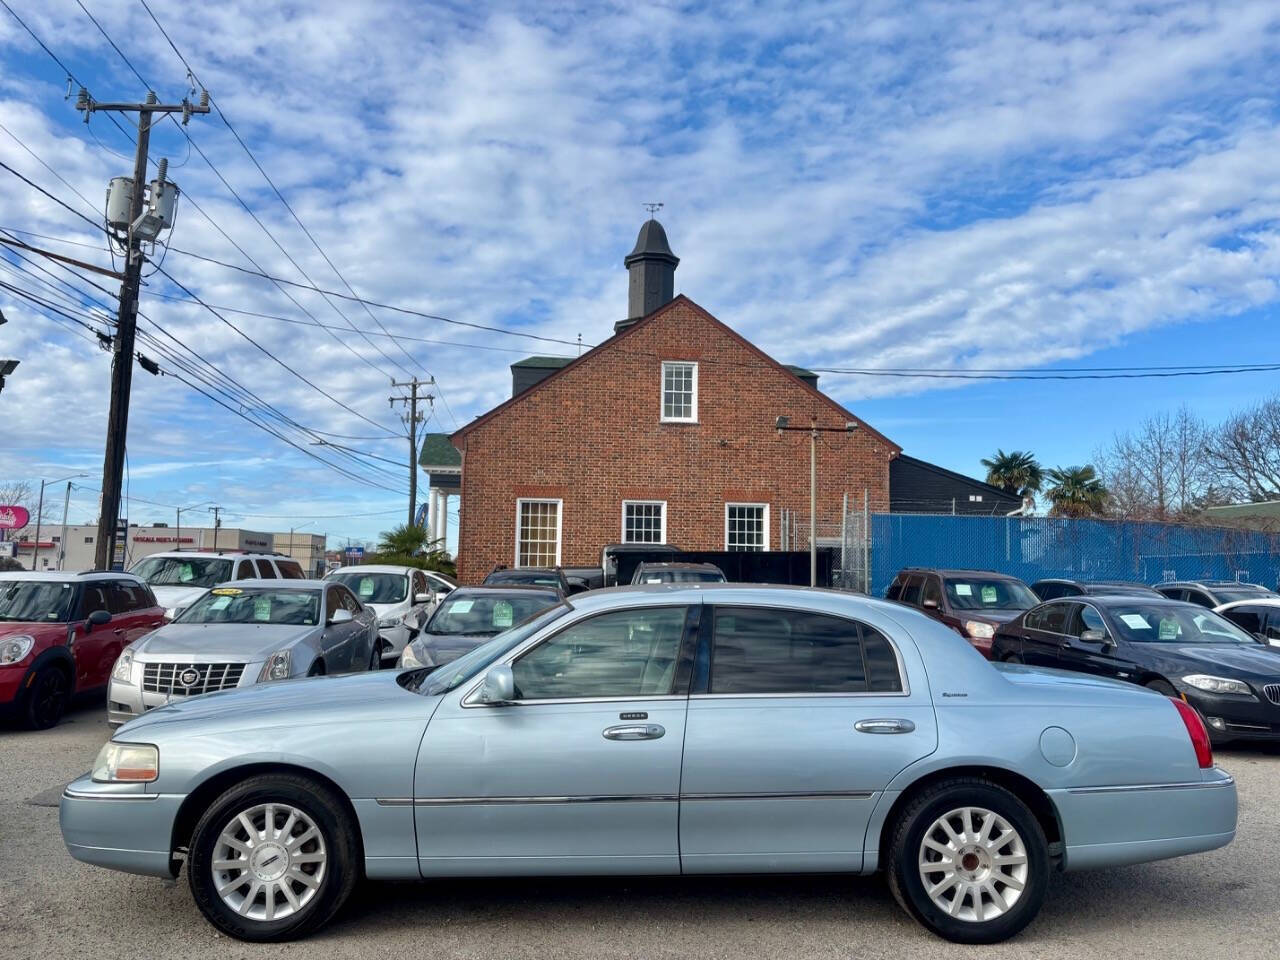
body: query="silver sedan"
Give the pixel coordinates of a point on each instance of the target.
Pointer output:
(242, 633)
(662, 730)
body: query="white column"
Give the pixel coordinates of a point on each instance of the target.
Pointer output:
(433, 526)
(444, 517)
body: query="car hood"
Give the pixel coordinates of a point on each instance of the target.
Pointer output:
(237, 641)
(177, 596)
(289, 703)
(1256, 660)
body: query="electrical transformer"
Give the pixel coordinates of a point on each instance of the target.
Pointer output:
(119, 202)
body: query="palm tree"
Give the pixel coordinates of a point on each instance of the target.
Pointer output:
(405, 540)
(1016, 473)
(410, 545)
(1076, 492)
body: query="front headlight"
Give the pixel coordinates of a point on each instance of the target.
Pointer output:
(409, 658)
(124, 666)
(276, 667)
(127, 763)
(14, 649)
(1217, 684)
(979, 630)
(387, 622)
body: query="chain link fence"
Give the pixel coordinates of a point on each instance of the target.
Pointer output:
(845, 537)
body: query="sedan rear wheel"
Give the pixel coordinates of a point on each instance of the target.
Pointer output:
(969, 860)
(274, 858)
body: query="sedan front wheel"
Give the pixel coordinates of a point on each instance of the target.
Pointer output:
(274, 858)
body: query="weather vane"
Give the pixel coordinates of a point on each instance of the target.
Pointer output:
(652, 208)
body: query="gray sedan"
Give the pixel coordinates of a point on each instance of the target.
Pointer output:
(243, 633)
(662, 730)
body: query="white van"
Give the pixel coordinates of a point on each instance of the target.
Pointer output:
(178, 578)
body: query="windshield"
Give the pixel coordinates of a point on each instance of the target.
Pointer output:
(1227, 596)
(681, 576)
(374, 587)
(977, 593)
(193, 571)
(236, 605)
(487, 614)
(469, 664)
(1166, 623)
(35, 601)
(539, 578)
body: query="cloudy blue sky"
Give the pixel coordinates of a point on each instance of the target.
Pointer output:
(934, 185)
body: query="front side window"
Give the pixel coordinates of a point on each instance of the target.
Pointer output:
(1090, 619)
(538, 533)
(932, 591)
(764, 651)
(644, 521)
(746, 526)
(679, 392)
(245, 606)
(1054, 617)
(911, 590)
(629, 653)
(1248, 618)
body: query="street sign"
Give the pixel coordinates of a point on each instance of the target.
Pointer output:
(355, 554)
(122, 544)
(13, 517)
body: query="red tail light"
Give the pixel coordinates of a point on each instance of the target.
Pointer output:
(1196, 730)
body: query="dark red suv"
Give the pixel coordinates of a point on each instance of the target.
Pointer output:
(971, 602)
(60, 635)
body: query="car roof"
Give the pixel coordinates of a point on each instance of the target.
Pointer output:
(509, 588)
(371, 568)
(516, 571)
(68, 576)
(1259, 601)
(238, 554)
(1107, 599)
(959, 572)
(674, 565)
(277, 583)
(1215, 585)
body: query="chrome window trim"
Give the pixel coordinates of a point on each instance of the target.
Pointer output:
(1131, 788)
(626, 798)
(897, 654)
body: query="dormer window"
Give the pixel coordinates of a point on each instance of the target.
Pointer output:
(679, 392)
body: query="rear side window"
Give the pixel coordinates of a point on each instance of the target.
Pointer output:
(933, 590)
(93, 598)
(763, 651)
(291, 570)
(265, 570)
(1247, 618)
(125, 597)
(1203, 599)
(244, 570)
(895, 589)
(1047, 591)
(911, 590)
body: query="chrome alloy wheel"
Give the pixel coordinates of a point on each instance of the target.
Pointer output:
(269, 862)
(973, 864)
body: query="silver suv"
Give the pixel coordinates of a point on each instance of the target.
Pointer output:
(179, 577)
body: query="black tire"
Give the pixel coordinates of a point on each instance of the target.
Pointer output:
(905, 850)
(46, 699)
(337, 832)
(375, 658)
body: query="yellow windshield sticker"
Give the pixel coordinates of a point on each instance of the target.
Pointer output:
(227, 592)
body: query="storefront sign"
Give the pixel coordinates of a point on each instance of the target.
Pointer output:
(13, 517)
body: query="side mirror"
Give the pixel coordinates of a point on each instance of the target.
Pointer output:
(341, 615)
(499, 686)
(97, 619)
(423, 597)
(930, 604)
(1095, 636)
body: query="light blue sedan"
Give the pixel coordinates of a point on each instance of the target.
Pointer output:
(661, 730)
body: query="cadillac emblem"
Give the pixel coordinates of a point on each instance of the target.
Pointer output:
(189, 677)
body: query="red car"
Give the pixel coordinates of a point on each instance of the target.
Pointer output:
(973, 603)
(60, 635)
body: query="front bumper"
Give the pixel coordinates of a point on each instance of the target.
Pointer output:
(119, 826)
(1235, 717)
(11, 684)
(126, 700)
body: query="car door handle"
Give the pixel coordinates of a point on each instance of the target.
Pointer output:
(884, 726)
(635, 731)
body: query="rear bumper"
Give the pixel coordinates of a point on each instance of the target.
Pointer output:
(1116, 825)
(121, 830)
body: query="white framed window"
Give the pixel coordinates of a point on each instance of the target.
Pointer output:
(679, 391)
(644, 521)
(538, 526)
(746, 526)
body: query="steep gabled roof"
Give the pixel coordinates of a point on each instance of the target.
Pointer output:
(437, 451)
(645, 321)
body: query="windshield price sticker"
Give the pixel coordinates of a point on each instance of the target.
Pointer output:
(502, 614)
(262, 608)
(1168, 629)
(462, 606)
(227, 592)
(989, 595)
(221, 603)
(366, 587)
(1135, 620)
(964, 590)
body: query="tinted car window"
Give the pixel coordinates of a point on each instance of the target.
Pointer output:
(895, 589)
(1200, 598)
(1054, 616)
(244, 570)
(932, 590)
(1272, 629)
(35, 601)
(93, 598)
(629, 653)
(911, 590)
(789, 651)
(1047, 591)
(291, 570)
(265, 570)
(1229, 594)
(1250, 618)
(126, 597)
(1089, 619)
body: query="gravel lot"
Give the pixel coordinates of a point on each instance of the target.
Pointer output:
(1225, 903)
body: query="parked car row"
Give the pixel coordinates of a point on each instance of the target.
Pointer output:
(1225, 661)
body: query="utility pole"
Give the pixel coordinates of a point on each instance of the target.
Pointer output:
(216, 525)
(411, 420)
(138, 226)
(62, 541)
(783, 424)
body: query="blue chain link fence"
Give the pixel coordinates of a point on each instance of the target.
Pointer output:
(1032, 548)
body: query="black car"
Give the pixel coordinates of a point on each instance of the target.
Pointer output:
(1052, 588)
(678, 573)
(1175, 648)
(469, 616)
(532, 577)
(1212, 593)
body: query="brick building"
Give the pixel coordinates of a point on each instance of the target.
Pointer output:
(665, 432)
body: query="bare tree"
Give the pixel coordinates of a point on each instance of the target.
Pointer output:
(1244, 450)
(23, 493)
(1159, 471)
